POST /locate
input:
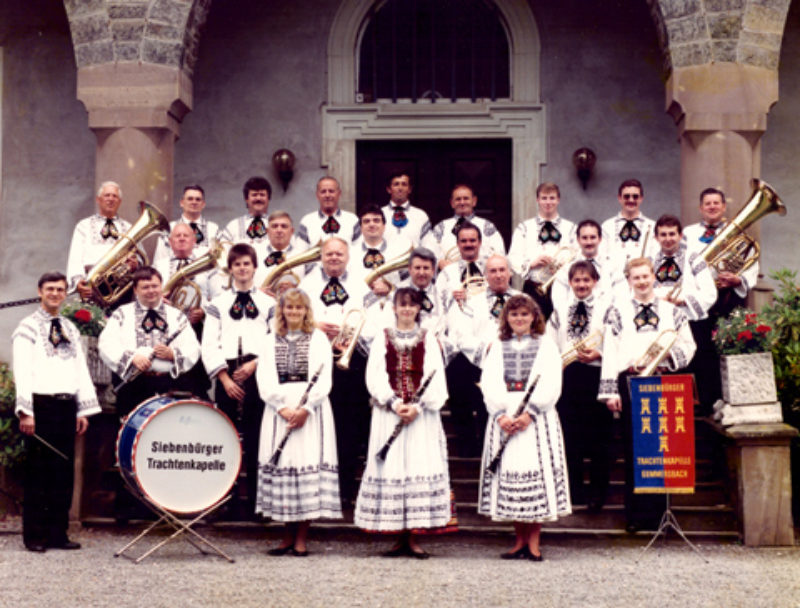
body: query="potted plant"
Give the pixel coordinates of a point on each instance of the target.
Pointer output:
(12, 452)
(744, 341)
(90, 321)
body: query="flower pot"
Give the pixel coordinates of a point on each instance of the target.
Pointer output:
(98, 370)
(748, 379)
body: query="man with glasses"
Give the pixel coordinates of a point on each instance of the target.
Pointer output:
(624, 234)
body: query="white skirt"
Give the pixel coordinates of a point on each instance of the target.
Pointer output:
(530, 483)
(411, 488)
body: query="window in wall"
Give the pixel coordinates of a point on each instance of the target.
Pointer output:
(433, 50)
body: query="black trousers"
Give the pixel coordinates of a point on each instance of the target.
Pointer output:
(351, 417)
(466, 404)
(247, 419)
(587, 426)
(48, 477)
(705, 366)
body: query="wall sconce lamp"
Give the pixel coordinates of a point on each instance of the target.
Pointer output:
(283, 160)
(584, 160)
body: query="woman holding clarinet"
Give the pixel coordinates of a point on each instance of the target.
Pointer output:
(298, 477)
(524, 472)
(405, 487)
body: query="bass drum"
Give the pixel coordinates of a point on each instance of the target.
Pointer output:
(183, 455)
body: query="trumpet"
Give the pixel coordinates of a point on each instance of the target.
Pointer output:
(656, 352)
(111, 277)
(546, 275)
(591, 342)
(276, 274)
(347, 339)
(178, 289)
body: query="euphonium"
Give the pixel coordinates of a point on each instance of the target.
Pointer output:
(591, 342)
(177, 288)
(397, 263)
(545, 276)
(111, 277)
(347, 339)
(656, 352)
(276, 274)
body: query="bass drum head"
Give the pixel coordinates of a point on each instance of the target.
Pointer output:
(185, 455)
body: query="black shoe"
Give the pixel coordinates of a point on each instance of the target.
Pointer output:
(522, 553)
(397, 551)
(632, 527)
(36, 547)
(68, 545)
(535, 558)
(421, 554)
(278, 551)
(297, 553)
(594, 506)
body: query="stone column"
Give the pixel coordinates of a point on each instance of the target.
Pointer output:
(721, 113)
(135, 110)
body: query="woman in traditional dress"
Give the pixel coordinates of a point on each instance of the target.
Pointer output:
(409, 490)
(530, 484)
(304, 483)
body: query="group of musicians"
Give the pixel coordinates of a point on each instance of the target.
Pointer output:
(436, 321)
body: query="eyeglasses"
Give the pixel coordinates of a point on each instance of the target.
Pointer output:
(631, 197)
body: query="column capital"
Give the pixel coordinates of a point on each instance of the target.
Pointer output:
(138, 95)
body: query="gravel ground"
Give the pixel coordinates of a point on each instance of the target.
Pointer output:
(344, 569)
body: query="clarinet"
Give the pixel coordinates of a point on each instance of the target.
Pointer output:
(504, 441)
(303, 400)
(381, 455)
(136, 372)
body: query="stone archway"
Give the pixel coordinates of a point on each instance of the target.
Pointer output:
(520, 119)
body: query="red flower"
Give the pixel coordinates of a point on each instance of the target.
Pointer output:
(83, 315)
(745, 335)
(750, 318)
(762, 329)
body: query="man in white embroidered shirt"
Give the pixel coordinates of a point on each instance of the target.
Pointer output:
(402, 218)
(54, 397)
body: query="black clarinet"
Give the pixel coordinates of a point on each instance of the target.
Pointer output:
(303, 400)
(504, 441)
(136, 372)
(381, 455)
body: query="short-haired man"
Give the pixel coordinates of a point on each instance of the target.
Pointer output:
(624, 234)
(329, 220)
(193, 201)
(251, 228)
(576, 325)
(421, 274)
(402, 218)
(282, 245)
(442, 239)
(54, 397)
(94, 236)
(452, 281)
(234, 333)
(632, 326)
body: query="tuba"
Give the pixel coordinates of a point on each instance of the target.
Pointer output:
(276, 274)
(111, 277)
(397, 263)
(180, 290)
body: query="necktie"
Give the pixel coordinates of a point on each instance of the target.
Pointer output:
(243, 306)
(629, 232)
(56, 333)
(459, 222)
(427, 305)
(109, 230)
(256, 229)
(579, 319)
(198, 234)
(646, 316)
(399, 218)
(373, 259)
(709, 234)
(471, 270)
(497, 307)
(276, 257)
(331, 226)
(549, 232)
(334, 293)
(668, 270)
(152, 320)
(182, 262)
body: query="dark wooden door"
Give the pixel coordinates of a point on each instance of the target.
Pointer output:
(435, 166)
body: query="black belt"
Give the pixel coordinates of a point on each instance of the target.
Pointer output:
(56, 397)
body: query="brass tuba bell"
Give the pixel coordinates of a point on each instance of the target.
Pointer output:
(180, 290)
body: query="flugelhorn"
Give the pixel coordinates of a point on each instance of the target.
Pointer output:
(275, 275)
(546, 275)
(347, 339)
(656, 352)
(111, 277)
(180, 290)
(733, 250)
(591, 342)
